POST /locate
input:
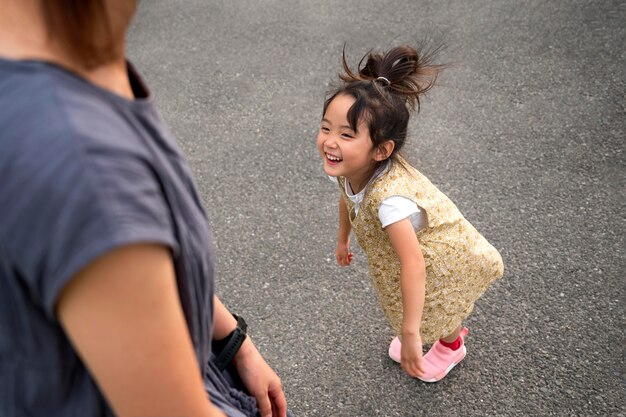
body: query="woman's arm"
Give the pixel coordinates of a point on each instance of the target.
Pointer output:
(343, 254)
(123, 315)
(223, 321)
(260, 380)
(412, 282)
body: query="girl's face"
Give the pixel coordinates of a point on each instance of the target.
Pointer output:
(345, 152)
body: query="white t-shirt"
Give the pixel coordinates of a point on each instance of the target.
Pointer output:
(392, 209)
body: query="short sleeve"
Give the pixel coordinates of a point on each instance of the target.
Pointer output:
(396, 208)
(65, 208)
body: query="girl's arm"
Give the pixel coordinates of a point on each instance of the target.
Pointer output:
(412, 282)
(260, 380)
(123, 315)
(343, 254)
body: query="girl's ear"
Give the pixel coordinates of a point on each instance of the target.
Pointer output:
(384, 150)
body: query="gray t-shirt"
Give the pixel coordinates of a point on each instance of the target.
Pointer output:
(84, 171)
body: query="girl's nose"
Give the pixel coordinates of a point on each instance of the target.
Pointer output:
(330, 142)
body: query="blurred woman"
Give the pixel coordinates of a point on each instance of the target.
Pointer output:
(107, 303)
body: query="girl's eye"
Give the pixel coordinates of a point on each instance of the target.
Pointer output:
(347, 135)
(324, 129)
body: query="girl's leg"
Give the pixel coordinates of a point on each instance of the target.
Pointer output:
(454, 335)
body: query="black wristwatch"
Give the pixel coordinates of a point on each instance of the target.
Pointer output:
(226, 348)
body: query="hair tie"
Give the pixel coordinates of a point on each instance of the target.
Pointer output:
(384, 80)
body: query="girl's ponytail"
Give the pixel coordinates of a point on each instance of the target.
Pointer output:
(403, 70)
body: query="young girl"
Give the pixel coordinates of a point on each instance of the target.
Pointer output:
(428, 263)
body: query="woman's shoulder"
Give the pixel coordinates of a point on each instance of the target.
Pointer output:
(57, 138)
(52, 118)
(44, 105)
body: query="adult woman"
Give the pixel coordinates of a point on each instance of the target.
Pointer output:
(106, 267)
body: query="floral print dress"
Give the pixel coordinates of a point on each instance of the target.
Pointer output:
(460, 262)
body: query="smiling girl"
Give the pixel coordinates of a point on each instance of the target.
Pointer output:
(429, 264)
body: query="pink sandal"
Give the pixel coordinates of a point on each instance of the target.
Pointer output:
(438, 361)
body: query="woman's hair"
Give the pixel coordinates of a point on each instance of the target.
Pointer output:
(82, 28)
(386, 88)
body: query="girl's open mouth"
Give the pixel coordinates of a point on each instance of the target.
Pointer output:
(332, 159)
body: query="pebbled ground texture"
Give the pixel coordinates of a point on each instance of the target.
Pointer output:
(525, 133)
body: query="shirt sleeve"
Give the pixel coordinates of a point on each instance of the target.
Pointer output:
(396, 208)
(64, 209)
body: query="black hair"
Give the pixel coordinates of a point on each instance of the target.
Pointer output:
(386, 89)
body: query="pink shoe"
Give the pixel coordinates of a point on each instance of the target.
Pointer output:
(438, 361)
(394, 349)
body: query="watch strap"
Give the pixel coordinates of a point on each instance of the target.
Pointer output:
(233, 342)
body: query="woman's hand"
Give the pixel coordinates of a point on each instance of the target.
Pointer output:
(343, 254)
(261, 381)
(411, 355)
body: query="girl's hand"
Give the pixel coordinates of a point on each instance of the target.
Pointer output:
(343, 254)
(411, 355)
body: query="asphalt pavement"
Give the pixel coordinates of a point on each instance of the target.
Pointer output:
(525, 133)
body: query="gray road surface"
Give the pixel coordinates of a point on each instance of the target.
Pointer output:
(525, 133)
